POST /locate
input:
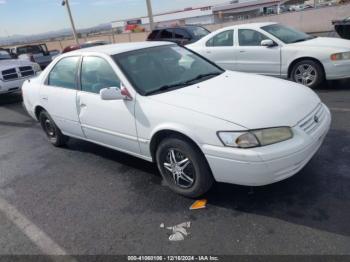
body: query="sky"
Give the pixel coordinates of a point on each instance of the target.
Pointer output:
(28, 17)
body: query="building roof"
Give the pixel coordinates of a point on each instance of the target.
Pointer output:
(245, 6)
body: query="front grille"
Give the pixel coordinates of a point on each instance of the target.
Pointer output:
(26, 71)
(12, 74)
(314, 120)
(9, 74)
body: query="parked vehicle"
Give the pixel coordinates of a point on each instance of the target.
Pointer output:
(164, 103)
(277, 50)
(342, 27)
(35, 53)
(181, 35)
(14, 72)
(85, 45)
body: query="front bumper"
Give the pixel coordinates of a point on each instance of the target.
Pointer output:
(269, 164)
(11, 86)
(337, 70)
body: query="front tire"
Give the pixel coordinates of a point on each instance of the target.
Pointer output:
(52, 132)
(183, 167)
(308, 73)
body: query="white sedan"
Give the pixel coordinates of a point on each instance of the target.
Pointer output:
(165, 104)
(276, 50)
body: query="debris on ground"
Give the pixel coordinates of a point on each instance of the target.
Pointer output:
(199, 204)
(179, 232)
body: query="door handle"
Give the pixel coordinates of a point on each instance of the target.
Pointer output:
(82, 105)
(242, 51)
(208, 52)
(45, 98)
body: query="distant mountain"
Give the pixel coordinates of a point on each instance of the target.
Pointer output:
(20, 39)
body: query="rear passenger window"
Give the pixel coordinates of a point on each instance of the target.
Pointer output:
(64, 73)
(96, 74)
(153, 35)
(222, 39)
(166, 33)
(181, 34)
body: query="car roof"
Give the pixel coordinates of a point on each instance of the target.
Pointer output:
(115, 49)
(251, 25)
(175, 27)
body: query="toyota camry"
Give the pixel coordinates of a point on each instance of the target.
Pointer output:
(168, 105)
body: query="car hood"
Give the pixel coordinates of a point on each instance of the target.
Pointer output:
(326, 42)
(248, 100)
(11, 63)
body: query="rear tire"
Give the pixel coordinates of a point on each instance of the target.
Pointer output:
(183, 167)
(51, 130)
(308, 73)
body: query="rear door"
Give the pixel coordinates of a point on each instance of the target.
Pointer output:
(253, 58)
(59, 93)
(220, 49)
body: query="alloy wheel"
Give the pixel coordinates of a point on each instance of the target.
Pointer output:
(306, 74)
(180, 168)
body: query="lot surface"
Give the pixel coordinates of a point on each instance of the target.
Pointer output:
(85, 199)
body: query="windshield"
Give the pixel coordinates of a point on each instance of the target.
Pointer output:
(163, 68)
(4, 55)
(286, 34)
(198, 32)
(29, 49)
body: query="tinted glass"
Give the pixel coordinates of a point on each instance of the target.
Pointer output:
(64, 73)
(248, 37)
(153, 35)
(29, 49)
(286, 34)
(222, 39)
(96, 74)
(4, 55)
(181, 34)
(166, 33)
(153, 68)
(198, 32)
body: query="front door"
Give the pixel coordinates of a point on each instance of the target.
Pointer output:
(110, 123)
(251, 57)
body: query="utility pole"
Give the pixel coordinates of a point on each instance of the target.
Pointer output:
(66, 3)
(150, 14)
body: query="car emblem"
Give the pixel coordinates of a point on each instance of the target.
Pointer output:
(317, 120)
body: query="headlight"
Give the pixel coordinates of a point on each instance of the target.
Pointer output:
(340, 56)
(255, 138)
(36, 67)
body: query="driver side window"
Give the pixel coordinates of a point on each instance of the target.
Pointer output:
(96, 74)
(248, 37)
(222, 39)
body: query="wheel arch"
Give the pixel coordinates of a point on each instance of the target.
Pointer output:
(38, 109)
(291, 65)
(162, 134)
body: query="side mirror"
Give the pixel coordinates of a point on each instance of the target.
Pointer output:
(268, 43)
(111, 93)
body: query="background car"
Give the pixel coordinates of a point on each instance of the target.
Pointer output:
(13, 72)
(85, 45)
(342, 27)
(182, 35)
(37, 53)
(166, 104)
(277, 50)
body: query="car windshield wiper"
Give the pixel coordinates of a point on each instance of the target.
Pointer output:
(165, 88)
(182, 84)
(303, 39)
